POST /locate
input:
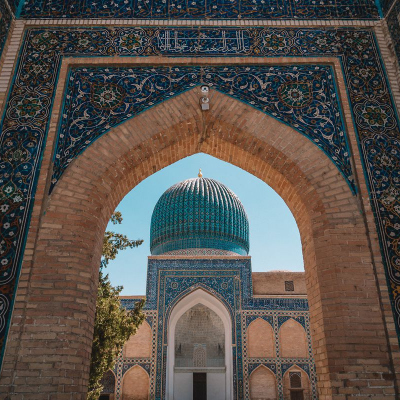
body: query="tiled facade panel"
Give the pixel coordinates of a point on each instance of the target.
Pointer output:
(201, 9)
(274, 338)
(27, 115)
(25, 121)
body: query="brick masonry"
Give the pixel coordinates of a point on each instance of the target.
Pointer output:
(340, 243)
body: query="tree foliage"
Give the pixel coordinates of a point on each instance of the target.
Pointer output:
(114, 242)
(113, 324)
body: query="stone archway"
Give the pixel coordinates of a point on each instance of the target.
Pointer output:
(63, 277)
(200, 296)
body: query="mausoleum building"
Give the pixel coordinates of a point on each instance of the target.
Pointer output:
(213, 329)
(97, 95)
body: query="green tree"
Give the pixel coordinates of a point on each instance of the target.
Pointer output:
(113, 324)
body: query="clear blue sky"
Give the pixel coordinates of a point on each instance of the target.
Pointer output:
(274, 236)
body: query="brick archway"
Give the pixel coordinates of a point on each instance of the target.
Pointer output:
(55, 318)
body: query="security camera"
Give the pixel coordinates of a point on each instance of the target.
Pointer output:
(204, 89)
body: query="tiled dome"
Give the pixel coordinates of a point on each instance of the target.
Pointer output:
(199, 216)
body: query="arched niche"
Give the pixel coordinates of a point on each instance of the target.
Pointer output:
(199, 339)
(108, 383)
(292, 340)
(135, 384)
(296, 384)
(260, 339)
(199, 297)
(73, 220)
(262, 384)
(139, 345)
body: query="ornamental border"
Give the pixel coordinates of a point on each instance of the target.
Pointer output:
(372, 46)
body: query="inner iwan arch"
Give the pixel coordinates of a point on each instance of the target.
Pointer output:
(66, 237)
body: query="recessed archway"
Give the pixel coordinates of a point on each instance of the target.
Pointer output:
(334, 238)
(135, 384)
(199, 296)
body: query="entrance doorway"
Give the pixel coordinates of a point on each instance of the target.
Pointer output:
(199, 386)
(199, 358)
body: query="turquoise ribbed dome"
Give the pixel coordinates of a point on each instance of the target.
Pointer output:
(199, 213)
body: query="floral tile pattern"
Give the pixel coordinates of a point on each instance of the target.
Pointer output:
(201, 9)
(25, 121)
(304, 97)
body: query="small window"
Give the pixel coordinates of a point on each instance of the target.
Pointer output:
(295, 380)
(289, 286)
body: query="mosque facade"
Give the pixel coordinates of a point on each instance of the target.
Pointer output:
(213, 329)
(97, 95)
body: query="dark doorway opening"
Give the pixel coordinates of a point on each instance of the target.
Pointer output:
(199, 386)
(296, 395)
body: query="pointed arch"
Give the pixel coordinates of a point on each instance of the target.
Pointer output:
(108, 382)
(291, 380)
(262, 384)
(260, 339)
(139, 345)
(73, 219)
(199, 296)
(293, 340)
(135, 384)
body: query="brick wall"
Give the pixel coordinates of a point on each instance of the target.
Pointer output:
(50, 338)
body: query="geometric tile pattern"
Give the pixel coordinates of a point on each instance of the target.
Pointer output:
(25, 122)
(201, 9)
(278, 365)
(304, 97)
(199, 213)
(168, 281)
(386, 5)
(123, 364)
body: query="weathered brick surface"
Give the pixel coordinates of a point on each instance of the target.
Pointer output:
(262, 384)
(260, 339)
(135, 385)
(139, 345)
(53, 317)
(292, 340)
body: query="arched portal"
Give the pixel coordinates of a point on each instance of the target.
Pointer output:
(341, 285)
(219, 383)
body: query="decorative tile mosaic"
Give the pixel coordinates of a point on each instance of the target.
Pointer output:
(123, 364)
(168, 281)
(14, 5)
(393, 21)
(5, 22)
(199, 212)
(201, 9)
(386, 5)
(278, 365)
(25, 121)
(303, 97)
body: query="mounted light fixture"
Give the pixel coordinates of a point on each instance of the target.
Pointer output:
(205, 101)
